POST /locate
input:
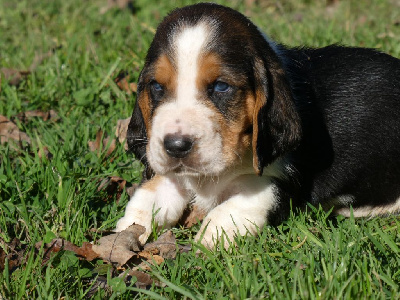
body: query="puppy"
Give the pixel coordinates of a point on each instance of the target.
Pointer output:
(247, 128)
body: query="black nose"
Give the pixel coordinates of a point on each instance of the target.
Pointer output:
(178, 145)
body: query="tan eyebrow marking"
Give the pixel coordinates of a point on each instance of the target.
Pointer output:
(209, 67)
(165, 73)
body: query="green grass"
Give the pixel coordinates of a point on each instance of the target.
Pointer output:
(311, 256)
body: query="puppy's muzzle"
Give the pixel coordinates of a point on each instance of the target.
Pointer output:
(177, 145)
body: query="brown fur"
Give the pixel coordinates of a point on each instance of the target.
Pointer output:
(144, 103)
(165, 73)
(209, 70)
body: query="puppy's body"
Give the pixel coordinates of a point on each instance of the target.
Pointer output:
(349, 101)
(244, 127)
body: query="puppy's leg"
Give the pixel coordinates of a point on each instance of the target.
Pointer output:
(160, 198)
(242, 213)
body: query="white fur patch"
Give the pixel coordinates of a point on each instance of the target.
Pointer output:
(244, 212)
(165, 205)
(189, 46)
(370, 211)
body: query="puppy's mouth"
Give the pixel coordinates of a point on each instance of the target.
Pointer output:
(183, 170)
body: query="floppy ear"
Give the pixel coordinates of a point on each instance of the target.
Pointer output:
(276, 123)
(136, 135)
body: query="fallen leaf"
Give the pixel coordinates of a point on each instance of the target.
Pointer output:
(10, 131)
(191, 216)
(99, 146)
(121, 131)
(119, 247)
(112, 185)
(56, 245)
(151, 258)
(142, 279)
(45, 153)
(86, 251)
(122, 81)
(15, 253)
(14, 77)
(3, 256)
(27, 115)
(165, 245)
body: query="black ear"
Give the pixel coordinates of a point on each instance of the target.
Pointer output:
(137, 137)
(276, 123)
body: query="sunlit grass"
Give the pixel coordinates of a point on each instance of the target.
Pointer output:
(311, 256)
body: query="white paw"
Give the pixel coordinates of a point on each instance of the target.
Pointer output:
(221, 222)
(137, 217)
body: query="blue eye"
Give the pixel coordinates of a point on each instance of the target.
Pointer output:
(221, 87)
(156, 86)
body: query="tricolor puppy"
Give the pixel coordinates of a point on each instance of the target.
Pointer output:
(246, 128)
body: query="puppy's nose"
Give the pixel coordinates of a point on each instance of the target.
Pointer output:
(178, 145)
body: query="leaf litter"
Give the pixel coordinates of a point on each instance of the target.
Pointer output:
(121, 251)
(9, 132)
(15, 77)
(125, 256)
(123, 81)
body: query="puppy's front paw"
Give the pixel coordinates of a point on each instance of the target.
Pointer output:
(214, 227)
(224, 224)
(138, 217)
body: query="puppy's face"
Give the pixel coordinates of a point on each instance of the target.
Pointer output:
(201, 92)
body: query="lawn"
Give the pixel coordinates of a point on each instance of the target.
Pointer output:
(69, 57)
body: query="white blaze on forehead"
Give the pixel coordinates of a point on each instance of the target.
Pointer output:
(189, 44)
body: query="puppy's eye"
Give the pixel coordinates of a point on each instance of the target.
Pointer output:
(155, 86)
(156, 91)
(221, 87)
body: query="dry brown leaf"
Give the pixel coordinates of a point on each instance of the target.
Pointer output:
(165, 245)
(15, 77)
(122, 81)
(86, 251)
(143, 279)
(48, 115)
(45, 153)
(123, 246)
(56, 245)
(118, 247)
(151, 258)
(10, 131)
(121, 130)
(97, 145)
(3, 256)
(113, 185)
(15, 252)
(192, 216)
(133, 87)
(120, 133)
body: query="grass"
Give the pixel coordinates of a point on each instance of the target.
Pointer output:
(311, 256)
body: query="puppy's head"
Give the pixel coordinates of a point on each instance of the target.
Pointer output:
(212, 89)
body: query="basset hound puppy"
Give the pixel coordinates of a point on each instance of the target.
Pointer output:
(247, 128)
